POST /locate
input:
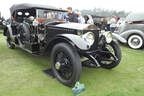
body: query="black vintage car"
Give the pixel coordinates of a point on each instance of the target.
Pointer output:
(43, 30)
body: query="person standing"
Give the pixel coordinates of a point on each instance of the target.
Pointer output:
(104, 25)
(71, 17)
(88, 19)
(112, 24)
(81, 20)
(60, 15)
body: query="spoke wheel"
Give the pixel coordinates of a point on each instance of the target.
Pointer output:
(65, 63)
(112, 59)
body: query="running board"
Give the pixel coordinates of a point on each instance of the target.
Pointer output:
(33, 53)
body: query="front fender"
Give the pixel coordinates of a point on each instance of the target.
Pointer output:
(119, 38)
(126, 34)
(76, 40)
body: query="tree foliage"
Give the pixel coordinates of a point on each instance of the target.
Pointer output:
(104, 12)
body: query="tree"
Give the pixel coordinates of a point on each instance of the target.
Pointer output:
(104, 12)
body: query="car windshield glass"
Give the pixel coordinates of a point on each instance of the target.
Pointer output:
(51, 15)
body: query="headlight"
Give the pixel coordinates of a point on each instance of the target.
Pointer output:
(108, 36)
(4, 23)
(79, 33)
(89, 37)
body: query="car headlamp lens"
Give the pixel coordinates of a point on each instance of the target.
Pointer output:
(4, 23)
(89, 37)
(79, 33)
(108, 36)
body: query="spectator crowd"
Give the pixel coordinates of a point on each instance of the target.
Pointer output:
(109, 24)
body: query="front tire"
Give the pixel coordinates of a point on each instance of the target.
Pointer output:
(66, 64)
(135, 42)
(114, 48)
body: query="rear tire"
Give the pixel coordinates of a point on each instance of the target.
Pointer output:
(135, 42)
(9, 44)
(66, 64)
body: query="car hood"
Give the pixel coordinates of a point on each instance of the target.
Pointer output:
(74, 26)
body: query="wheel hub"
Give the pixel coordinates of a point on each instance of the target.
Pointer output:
(57, 65)
(135, 41)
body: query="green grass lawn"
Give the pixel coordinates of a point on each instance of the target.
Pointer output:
(21, 74)
(1, 31)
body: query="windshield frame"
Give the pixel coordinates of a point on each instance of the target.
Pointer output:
(41, 17)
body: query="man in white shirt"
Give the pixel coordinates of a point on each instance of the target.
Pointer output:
(81, 20)
(112, 24)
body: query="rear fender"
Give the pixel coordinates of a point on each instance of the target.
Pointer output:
(8, 28)
(119, 38)
(126, 34)
(5, 31)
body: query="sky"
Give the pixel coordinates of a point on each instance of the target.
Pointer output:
(119, 5)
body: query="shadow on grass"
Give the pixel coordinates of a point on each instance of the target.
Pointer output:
(1, 31)
(89, 75)
(45, 62)
(37, 60)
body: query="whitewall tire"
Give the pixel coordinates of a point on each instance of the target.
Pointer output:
(135, 42)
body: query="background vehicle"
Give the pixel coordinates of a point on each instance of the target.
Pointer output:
(1, 23)
(35, 29)
(102, 24)
(132, 29)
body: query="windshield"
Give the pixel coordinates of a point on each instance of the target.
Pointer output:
(48, 15)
